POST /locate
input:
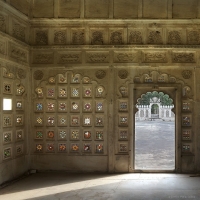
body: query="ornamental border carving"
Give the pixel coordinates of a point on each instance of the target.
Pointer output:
(184, 57)
(96, 57)
(43, 58)
(155, 56)
(126, 56)
(69, 57)
(18, 53)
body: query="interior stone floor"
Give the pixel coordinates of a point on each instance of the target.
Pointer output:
(130, 186)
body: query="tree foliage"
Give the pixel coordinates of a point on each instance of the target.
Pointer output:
(164, 98)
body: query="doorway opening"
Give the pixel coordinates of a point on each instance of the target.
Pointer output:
(155, 132)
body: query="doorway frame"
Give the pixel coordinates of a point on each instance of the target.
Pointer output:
(175, 92)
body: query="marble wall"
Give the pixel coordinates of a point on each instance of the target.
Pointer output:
(75, 82)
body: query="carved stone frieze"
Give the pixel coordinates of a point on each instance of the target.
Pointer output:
(2, 23)
(60, 37)
(187, 74)
(18, 31)
(97, 38)
(174, 37)
(154, 37)
(125, 56)
(2, 47)
(78, 36)
(43, 58)
(155, 57)
(193, 37)
(135, 37)
(41, 37)
(183, 57)
(18, 54)
(154, 77)
(69, 57)
(94, 57)
(116, 37)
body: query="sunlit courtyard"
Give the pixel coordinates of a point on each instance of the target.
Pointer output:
(155, 145)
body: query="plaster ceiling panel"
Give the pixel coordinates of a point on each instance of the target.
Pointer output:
(69, 9)
(126, 9)
(43, 8)
(21, 5)
(96, 8)
(155, 9)
(185, 9)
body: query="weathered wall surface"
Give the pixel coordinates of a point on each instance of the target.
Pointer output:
(14, 75)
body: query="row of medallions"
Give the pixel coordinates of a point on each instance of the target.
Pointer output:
(9, 122)
(13, 137)
(186, 127)
(9, 89)
(75, 92)
(123, 121)
(12, 152)
(75, 106)
(74, 147)
(10, 137)
(74, 120)
(72, 78)
(104, 36)
(73, 134)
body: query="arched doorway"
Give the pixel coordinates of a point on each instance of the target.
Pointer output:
(155, 135)
(154, 111)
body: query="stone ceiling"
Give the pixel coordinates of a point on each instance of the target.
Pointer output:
(108, 9)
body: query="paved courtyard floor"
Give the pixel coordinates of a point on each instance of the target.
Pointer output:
(155, 145)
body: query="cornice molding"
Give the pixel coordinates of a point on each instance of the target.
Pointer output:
(122, 22)
(13, 11)
(116, 47)
(12, 39)
(4, 62)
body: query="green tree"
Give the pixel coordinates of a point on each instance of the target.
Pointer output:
(164, 98)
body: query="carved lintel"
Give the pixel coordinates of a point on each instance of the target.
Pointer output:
(183, 57)
(155, 57)
(97, 57)
(43, 58)
(18, 54)
(125, 57)
(70, 57)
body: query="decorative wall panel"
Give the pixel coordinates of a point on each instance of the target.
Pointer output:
(67, 111)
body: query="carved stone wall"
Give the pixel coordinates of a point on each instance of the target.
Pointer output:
(70, 117)
(14, 132)
(14, 81)
(91, 55)
(94, 32)
(77, 87)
